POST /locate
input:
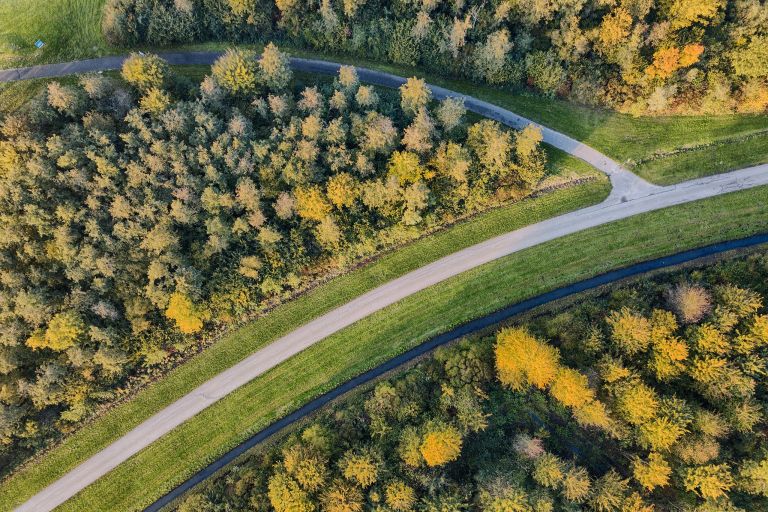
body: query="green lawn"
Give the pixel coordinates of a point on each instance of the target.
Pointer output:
(242, 342)
(369, 342)
(71, 29)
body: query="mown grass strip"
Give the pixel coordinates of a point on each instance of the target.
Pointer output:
(395, 329)
(717, 158)
(241, 342)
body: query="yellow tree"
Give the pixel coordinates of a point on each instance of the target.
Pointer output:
(548, 470)
(360, 467)
(753, 477)
(63, 331)
(311, 204)
(684, 13)
(630, 332)
(660, 434)
(576, 484)
(636, 402)
(341, 496)
(285, 495)
(236, 71)
(145, 71)
(570, 388)
(188, 317)
(414, 94)
(399, 496)
(342, 190)
(711, 481)
(440, 444)
(522, 360)
(651, 473)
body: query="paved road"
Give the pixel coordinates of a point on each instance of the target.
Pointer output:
(630, 196)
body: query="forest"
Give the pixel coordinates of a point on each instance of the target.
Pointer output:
(144, 214)
(636, 56)
(646, 397)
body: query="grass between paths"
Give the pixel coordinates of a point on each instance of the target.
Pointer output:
(243, 341)
(393, 330)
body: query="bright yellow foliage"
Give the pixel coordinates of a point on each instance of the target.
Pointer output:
(614, 29)
(311, 203)
(637, 403)
(710, 482)
(63, 331)
(399, 496)
(631, 332)
(522, 360)
(183, 311)
(341, 496)
(570, 388)
(359, 467)
(144, 71)
(548, 470)
(684, 13)
(660, 434)
(652, 473)
(440, 445)
(406, 167)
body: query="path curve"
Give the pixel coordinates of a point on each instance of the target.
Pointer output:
(630, 196)
(625, 184)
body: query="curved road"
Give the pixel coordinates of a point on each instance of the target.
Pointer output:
(630, 196)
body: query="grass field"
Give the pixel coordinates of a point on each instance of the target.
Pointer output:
(283, 319)
(70, 29)
(401, 326)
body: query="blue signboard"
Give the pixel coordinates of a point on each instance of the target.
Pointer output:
(39, 43)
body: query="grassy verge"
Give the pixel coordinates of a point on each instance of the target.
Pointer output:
(724, 156)
(403, 325)
(70, 29)
(283, 319)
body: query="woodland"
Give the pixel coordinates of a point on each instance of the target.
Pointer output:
(636, 56)
(648, 397)
(144, 214)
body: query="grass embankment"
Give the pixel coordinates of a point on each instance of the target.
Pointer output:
(240, 343)
(369, 342)
(70, 29)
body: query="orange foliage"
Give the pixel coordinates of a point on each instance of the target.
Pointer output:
(441, 444)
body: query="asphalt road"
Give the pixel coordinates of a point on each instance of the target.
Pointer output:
(630, 196)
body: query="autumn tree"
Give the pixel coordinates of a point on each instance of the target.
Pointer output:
(522, 360)
(653, 472)
(189, 318)
(710, 481)
(236, 72)
(440, 444)
(399, 496)
(360, 467)
(414, 95)
(145, 71)
(274, 68)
